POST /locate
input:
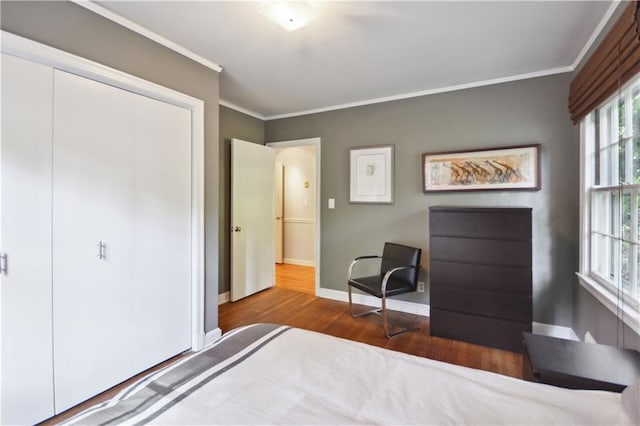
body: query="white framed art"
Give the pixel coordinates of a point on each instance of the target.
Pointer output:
(371, 175)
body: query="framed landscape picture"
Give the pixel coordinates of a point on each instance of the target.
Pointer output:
(507, 168)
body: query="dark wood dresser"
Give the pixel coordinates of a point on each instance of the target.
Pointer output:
(480, 275)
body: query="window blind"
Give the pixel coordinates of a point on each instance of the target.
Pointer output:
(614, 62)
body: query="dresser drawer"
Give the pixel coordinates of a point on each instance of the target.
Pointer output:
(510, 279)
(484, 252)
(492, 332)
(513, 307)
(514, 224)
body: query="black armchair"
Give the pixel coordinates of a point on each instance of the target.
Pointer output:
(399, 270)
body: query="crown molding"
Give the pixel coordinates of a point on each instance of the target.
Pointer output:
(543, 73)
(241, 109)
(133, 26)
(596, 33)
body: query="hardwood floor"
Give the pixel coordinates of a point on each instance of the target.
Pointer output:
(283, 306)
(298, 309)
(295, 277)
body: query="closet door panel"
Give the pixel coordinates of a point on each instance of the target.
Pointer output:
(25, 238)
(162, 230)
(92, 203)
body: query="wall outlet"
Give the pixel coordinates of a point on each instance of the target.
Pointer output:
(420, 287)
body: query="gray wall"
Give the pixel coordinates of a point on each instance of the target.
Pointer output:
(233, 125)
(589, 314)
(522, 112)
(74, 29)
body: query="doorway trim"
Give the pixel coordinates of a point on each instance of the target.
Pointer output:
(316, 142)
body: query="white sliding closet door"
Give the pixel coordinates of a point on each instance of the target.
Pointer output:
(25, 240)
(162, 230)
(92, 237)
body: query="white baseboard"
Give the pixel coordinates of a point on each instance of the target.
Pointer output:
(424, 310)
(299, 262)
(554, 331)
(223, 298)
(211, 336)
(410, 308)
(363, 299)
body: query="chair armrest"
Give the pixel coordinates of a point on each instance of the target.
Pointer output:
(391, 272)
(367, 257)
(357, 259)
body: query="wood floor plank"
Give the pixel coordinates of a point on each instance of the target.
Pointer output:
(283, 306)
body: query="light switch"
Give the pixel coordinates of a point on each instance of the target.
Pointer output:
(306, 203)
(332, 203)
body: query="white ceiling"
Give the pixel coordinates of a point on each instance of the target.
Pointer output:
(358, 52)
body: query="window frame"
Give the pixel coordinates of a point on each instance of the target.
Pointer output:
(592, 134)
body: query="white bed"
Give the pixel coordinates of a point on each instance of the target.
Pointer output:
(270, 374)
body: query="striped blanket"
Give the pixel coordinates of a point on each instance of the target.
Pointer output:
(270, 374)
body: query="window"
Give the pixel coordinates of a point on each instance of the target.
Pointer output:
(610, 249)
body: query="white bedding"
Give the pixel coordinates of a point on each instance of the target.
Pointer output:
(293, 376)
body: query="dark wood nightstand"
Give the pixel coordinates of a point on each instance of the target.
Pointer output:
(578, 365)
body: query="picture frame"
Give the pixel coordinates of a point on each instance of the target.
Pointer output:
(501, 168)
(371, 174)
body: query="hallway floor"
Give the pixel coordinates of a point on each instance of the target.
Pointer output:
(296, 278)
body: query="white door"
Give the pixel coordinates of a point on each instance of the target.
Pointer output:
(279, 206)
(25, 240)
(92, 243)
(162, 230)
(252, 218)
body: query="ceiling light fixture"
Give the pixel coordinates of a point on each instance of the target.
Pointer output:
(290, 15)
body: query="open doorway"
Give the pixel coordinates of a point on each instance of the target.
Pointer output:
(297, 240)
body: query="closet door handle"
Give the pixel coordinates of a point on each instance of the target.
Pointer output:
(3, 264)
(101, 250)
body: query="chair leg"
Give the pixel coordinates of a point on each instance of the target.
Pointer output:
(350, 302)
(385, 324)
(361, 314)
(384, 316)
(379, 311)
